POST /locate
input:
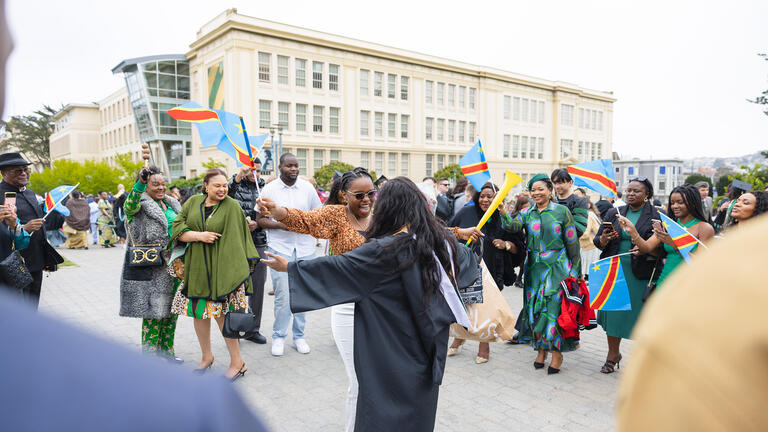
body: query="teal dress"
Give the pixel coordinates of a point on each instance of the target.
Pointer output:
(553, 254)
(674, 258)
(620, 323)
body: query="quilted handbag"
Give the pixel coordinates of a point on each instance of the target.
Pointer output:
(14, 272)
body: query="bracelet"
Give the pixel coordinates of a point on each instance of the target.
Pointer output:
(507, 246)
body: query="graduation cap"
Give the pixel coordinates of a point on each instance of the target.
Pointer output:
(336, 174)
(738, 184)
(379, 181)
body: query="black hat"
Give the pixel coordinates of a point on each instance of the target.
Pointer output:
(737, 184)
(380, 180)
(12, 159)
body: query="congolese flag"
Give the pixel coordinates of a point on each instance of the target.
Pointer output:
(54, 197)
(608, 288)
(220, 128)
(596, 175)
(474, 166)
(684, 240)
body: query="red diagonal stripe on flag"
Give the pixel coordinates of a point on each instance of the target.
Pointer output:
(475, 168)
(192, 115)
(600, 178)
(606, 288)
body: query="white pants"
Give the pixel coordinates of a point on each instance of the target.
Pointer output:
(343, 328)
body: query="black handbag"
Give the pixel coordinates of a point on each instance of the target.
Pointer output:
(470, 282)
(146, 255)
(14, 272)
(238, 325)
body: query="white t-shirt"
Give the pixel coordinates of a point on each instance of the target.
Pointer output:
(301, 196)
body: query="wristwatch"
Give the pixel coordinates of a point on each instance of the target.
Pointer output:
(507, 246)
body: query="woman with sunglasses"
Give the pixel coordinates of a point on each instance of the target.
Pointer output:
(638, 269)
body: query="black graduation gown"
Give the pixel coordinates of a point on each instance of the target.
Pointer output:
(400, 343)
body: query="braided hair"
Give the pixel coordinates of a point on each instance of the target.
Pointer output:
(342, 184)
(692, 200)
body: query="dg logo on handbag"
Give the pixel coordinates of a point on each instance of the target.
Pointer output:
(145, 256)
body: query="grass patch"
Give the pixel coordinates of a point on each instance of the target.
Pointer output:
(68, 263)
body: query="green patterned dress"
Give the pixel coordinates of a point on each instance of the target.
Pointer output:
(553, 254)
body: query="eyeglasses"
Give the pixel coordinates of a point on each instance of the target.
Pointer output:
(360, 195)
(639, 179)
(18, 171)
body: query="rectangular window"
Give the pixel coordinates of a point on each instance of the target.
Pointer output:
(462, 96)
(428, 92)
(333, 77)
(506, 146)
(541, 112)
(600, 120)
(188, 148)
(317, 75)
(524, 116)
(566, 148)
(318, 160)
(532, 148)
(662, 186)
(301, 73)
(282, 70)
(594, 120)
(524, 147)
(440, 129)
(317, 118)
(428, 128)
(333, 120)
(364, 118)
(472, 97)
(587, 118)
(440, 91)
(264, 62)
(507, 107)
(581, 117)
(515, 146)
(532, 117)
(404, 126)
(471, 134)
(404, 165)
(265, 114)
(334, 156)
(282, 114)
(600, 154)
(630, 170)
(378, 78)
(391, 84)
(378, 123)
(581, 150)
(516, 108)
(566, 115)
(301, 117)
(429, 164)
(451, 159)
(451, 95)
(462, 128)
(378, 164)
(541, 148)
(440, 162)
(392, 164)
(365, 159)
(301, 157)
(403, 88)
(662, 169)
(364, 82)
(391, 125)
(451, 130)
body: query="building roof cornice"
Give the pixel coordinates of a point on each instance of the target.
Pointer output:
(230, 20)
(68, 107)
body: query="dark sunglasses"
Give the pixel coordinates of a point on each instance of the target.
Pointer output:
(639, 179)
(360, 195)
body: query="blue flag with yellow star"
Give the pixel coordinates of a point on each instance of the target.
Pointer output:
(474, 166)
(608, 289)
(55, 196)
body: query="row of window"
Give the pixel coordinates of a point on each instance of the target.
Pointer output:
(588, 118)
(393, 168)
(300, 119)
(114, 111)
(378, 124)
(453, 135)
(587, 151)
(119, 137)
(662, 170)
(523, 147)
(523, 109)
(378, 84)
(300, 74)
(437, 94)
(438, 162)
(318, 158)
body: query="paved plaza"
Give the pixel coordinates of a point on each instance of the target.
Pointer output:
(306, 392)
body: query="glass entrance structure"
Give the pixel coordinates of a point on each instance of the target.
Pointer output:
(155, 85)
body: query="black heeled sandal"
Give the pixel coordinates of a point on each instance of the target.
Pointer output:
(538, 365)
(239, 373)
(611, 366)
(203, 370)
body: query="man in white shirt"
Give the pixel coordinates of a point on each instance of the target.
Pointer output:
(618, 202)
(94, 206)
(289, 191)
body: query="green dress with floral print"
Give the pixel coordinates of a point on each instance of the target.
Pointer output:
(553, 254)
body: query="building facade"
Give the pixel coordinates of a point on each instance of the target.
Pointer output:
(664, 174)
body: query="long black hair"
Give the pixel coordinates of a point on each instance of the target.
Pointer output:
(402, 205)
(692, 200)
(342, 184)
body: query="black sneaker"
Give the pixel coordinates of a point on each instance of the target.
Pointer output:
(256, 337)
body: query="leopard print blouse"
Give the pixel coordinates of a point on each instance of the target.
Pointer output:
(327, 222)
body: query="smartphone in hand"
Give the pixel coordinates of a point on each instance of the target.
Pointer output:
(10, 200)
(607, 227)
(657, 225)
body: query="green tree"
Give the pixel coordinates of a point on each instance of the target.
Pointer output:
(695, 178)
(721, 185)
(324, 174)
(93, 176)
(762, 98)
(213, 164)
(129, 168)
(31, 135)
(452, 172)
(757, 176)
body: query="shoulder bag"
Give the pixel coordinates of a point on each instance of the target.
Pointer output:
(13, 270)
(144, 255)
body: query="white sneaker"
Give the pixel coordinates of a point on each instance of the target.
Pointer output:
(301, 346)
(278, 346)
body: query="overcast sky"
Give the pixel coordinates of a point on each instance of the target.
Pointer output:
(681, 70)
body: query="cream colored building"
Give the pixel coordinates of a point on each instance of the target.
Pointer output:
(394, 111)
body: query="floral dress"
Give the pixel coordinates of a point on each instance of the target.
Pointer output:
(106, 224)
(553, 254)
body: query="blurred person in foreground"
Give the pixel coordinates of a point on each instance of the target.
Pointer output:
(712, 383)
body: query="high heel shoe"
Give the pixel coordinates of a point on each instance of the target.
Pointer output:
(610, 366)
(239, 373)
(552, 371)
(538, 365)
(203, 370)
(452, 351)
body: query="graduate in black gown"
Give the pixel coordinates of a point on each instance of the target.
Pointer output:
(401, 315)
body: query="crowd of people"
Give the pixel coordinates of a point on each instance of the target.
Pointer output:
(388, 270)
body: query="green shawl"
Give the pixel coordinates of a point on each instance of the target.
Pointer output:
(213, 271)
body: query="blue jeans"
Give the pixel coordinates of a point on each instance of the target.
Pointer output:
(283, 302)
(95, 232)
